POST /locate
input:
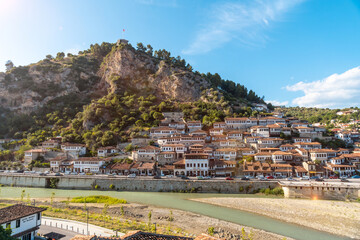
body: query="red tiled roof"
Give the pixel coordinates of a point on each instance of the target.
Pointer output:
(17, 211)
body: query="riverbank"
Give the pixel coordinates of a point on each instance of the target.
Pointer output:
(180, 201)
(168, 221)
(336, 217)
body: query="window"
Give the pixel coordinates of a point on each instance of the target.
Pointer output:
(17, 223)
(8, 225)
(38, 216)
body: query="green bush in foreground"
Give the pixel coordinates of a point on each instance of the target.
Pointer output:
(98, 199)
(276, 191)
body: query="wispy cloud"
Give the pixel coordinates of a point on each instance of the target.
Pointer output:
(278, 103)
(241, 21)
(335, 91)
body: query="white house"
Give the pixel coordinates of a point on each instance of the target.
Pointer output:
(260, 131)
(162, 132)
(225, 153)
(194, 126)
(179, 149)
(197, 164)
(107, 151)
(145, 153)
(219, 125)
(75, 148)
(89, 164)
(238, 135)
(33, 154)
(240, 123)
(281, 157)
(24, 221)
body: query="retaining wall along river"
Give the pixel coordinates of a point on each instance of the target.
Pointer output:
(137, 184)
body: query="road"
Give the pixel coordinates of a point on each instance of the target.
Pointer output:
(56, 233)
(65, 229)
(101, 176)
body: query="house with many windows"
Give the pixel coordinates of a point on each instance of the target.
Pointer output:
(197, 164)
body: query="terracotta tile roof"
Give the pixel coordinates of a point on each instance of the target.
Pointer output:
(139, 235)
(300, 169)
(107, 148)
(206, 237)
(82, 237)
(149, 148)
(73, 144)
(167, 167)
(182, 161)
(17, 211)
(281, 153)
(82, 159)
(147, 166)
(37, 151)
(121, 166)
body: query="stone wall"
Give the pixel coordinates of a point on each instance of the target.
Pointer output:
(322, 192)
(137, 184)
(23, 181)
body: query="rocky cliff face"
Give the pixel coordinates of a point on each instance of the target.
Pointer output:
(126, 68)
(25, 89)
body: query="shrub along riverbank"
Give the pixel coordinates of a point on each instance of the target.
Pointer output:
(98, 199)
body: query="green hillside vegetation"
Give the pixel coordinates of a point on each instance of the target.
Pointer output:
(99, 119)
(322, 115)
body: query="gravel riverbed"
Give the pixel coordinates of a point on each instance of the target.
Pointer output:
(336, 217)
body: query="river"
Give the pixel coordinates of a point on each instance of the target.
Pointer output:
(180, 201)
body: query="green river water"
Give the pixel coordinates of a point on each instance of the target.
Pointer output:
(180, 201)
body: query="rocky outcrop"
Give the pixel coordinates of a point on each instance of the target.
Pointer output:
(25, 89)
(127, 68)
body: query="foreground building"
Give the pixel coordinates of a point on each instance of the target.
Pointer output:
(24, 221)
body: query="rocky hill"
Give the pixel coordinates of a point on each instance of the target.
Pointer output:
(25, 89)
(54, 90)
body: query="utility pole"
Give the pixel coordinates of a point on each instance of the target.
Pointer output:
(87, 221)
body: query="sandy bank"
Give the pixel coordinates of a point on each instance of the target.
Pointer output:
(335, 217)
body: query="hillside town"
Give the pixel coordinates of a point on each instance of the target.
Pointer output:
(269, 146)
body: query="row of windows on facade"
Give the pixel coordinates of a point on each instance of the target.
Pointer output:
(198, 165)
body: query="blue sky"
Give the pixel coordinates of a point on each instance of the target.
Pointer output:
(294, 52)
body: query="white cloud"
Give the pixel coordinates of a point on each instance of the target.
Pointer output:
(278, 103)
(335, 91)
(242, 21)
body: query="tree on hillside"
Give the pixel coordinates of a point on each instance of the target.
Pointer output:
(140, 47)
(49, 57)
(60, 56)
(149, 50)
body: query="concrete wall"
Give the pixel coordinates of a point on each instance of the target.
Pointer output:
(23, 181)
(137, 184)
(322, 192)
